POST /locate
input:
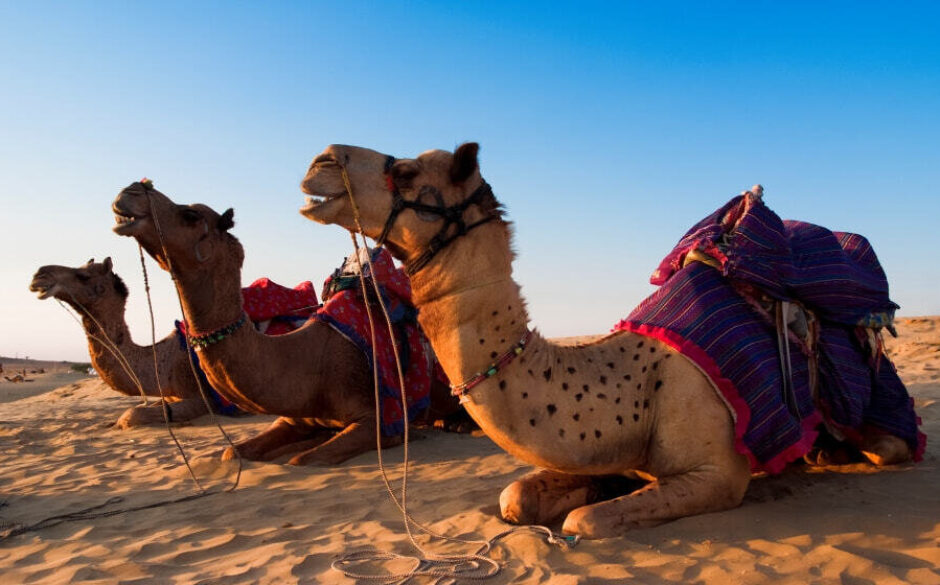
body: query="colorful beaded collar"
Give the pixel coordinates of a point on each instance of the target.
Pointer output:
(462, 390)
(200, 342)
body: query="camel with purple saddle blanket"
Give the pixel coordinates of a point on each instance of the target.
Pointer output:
(315, 378)
(643, 401)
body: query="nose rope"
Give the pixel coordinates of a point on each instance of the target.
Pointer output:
(475, 566)
(148, 185)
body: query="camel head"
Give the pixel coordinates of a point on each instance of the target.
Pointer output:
(91, 285)
(191, 237)
(428, 197)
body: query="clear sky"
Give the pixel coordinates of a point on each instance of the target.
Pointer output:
(606, 129)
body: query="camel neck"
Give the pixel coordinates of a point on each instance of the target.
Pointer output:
(471, 326)
(211, 300)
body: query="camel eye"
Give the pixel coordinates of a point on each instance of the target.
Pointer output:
(191, 216)
(403, 175)
(82, 276)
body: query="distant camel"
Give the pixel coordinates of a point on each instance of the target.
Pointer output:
(99, 296)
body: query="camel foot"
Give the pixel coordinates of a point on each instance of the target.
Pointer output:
(356, 439)
(668, 498)
(885, 450)
(283, 437)
(544, 496)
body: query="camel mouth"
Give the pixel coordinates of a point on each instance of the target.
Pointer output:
(317, 204)
(126, 222)
(42, 288)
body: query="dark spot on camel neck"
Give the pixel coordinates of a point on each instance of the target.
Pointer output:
(547, 374)
(619, 420)
(502, 384)
(578, 396)
(571, 370)
(597, 434)
(551, 408)
(658, 385)
(532, 422)
(636, 417)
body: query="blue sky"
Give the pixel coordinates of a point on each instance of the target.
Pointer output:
(606, 129)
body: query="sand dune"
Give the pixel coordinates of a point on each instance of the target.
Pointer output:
(850, 525)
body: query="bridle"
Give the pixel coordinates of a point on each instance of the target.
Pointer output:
(452, 215)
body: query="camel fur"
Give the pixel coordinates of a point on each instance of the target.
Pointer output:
(624, 405)
(316, 380)
(99, 296)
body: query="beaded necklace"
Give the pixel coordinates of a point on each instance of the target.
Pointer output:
(462, 390)
(200, 342)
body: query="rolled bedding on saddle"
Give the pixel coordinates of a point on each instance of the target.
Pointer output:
(715, 304)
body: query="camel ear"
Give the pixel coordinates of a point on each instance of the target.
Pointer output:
(107, 264)
(227, 220)
(465, 162)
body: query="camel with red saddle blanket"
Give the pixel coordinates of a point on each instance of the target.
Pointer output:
(315, 378)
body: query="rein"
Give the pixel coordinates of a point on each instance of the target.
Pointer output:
(452, 215)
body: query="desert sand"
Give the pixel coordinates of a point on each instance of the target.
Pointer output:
(852, 524)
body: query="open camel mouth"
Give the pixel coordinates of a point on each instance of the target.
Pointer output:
(42, 288)
(126, 222)
(317, 204)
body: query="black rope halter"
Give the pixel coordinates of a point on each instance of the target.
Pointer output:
(452, 215)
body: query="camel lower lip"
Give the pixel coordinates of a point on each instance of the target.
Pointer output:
(44, 294)
(125, 224)
(318, 203)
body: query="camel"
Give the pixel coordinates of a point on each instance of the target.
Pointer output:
(624, 405)
(314, 378)
(99, 295)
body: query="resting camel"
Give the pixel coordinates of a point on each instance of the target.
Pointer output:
(317, 381)
(625, 405)
(99, 295)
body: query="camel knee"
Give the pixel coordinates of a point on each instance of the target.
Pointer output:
(518, 503)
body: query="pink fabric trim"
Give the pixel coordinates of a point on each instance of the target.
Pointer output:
(731, 395)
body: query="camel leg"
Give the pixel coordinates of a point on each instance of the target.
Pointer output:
(151, 414)
(357, 438)
(544, 496)
(283, 436)
(707, 489)
(884, 449)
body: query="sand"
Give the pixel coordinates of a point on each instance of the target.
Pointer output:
(850, 525)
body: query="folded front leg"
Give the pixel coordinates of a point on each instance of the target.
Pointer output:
(707, 489)
(356, 439)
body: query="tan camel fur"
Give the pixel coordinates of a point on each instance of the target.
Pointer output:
(314, 378)
(99, 295)
(624, 405)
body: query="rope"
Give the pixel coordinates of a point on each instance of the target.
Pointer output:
(90, 513)
(444, 569)
(189, 349)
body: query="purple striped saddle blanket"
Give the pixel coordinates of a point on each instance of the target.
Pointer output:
(729, 290)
